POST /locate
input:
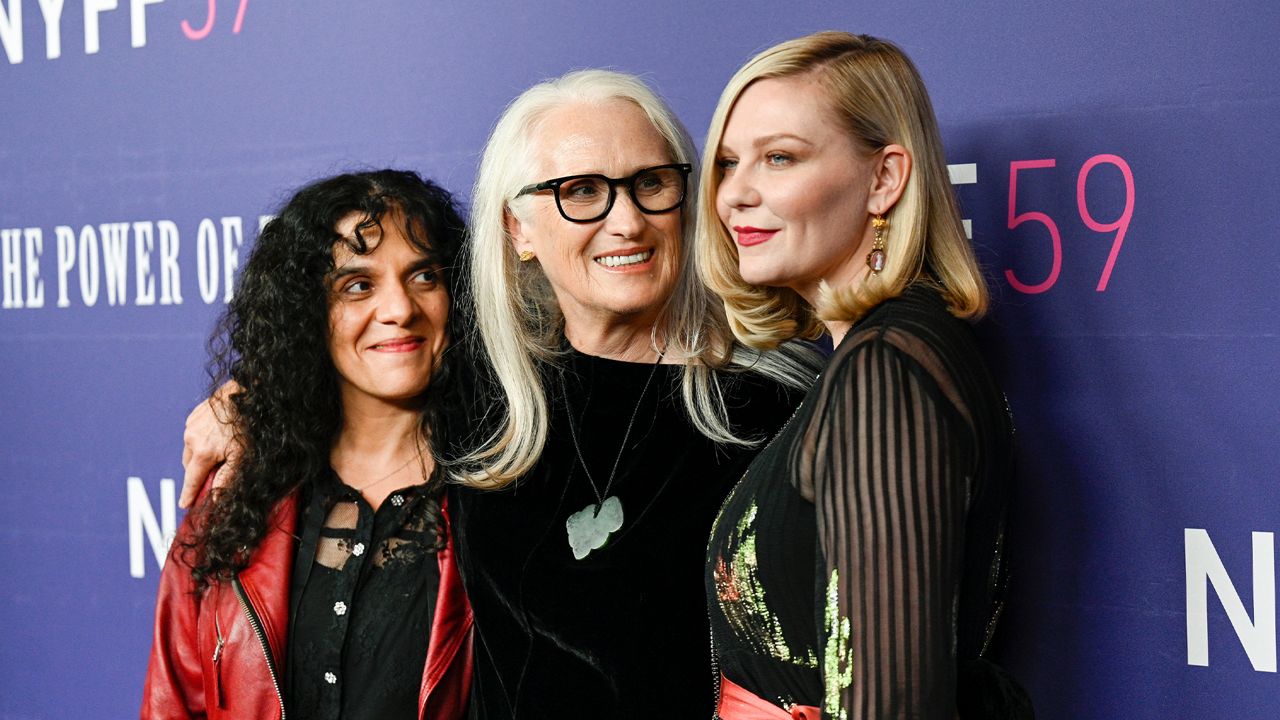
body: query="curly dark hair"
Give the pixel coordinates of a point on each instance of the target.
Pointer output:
(273, 342)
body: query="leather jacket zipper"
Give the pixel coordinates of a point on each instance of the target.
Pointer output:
(256, 624)
(217, 661)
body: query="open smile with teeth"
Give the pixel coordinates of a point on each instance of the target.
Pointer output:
(621, 260)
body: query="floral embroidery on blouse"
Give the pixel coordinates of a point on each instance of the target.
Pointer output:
(741, 596)
(837, 665)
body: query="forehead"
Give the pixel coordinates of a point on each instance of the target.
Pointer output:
(795, 105)
(385, 239)
(614, 138)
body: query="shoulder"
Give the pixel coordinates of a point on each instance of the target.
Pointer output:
(914, 339)
(915, 328)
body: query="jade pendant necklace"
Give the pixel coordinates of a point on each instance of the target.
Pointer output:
(591, 527)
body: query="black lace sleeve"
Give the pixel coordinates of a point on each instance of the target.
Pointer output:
(890, 460)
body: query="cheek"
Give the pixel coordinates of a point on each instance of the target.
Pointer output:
(437, 310)
(338, 321)
(794, 202)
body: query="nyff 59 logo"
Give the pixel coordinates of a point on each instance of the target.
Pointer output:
(16, 30)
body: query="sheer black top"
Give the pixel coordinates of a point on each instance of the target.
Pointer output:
(860, 557)
(362, 598)
(623, 632)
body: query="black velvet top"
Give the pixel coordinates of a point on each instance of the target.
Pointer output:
(622, 633)
(858, 563)
(362, 598)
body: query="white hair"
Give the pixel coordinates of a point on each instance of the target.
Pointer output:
(519, 320)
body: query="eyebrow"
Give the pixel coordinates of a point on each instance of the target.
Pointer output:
(358, 268)
(779, 136)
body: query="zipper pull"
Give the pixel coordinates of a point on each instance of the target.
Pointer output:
(217, 667)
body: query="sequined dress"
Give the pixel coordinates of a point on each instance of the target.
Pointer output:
(857, 565)
(623, 632)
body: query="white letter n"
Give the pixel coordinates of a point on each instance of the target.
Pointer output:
(1204, 567)
(143, 518)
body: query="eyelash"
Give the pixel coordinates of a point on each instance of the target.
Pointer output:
(431, 278)
(783, 159)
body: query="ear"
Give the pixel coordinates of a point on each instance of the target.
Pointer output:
(890, 173)
(515, 230)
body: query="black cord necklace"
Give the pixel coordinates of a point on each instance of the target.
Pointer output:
(590, 528)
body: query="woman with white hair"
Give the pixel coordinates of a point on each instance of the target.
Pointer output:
(622, 411)
(627, 410)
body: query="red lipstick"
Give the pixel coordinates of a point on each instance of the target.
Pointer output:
(748, 236)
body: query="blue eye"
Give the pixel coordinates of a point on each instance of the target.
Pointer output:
(778, 159)
(727, 164)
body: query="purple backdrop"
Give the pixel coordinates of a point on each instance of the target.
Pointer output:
(137, 154)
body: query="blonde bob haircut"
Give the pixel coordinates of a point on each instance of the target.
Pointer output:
(878, 96)
(519, 322)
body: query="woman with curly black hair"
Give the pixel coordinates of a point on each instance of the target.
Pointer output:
(319, 580)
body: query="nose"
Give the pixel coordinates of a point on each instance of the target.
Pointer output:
(624, 218)
(395, 305)
(737, 190)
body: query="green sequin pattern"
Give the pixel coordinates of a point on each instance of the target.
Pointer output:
(837, 666)
(742, 598)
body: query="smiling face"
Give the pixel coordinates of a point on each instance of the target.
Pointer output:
(617, 270)
(795, 188)
(388, 311)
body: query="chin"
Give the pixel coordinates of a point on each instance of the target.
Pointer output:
(764, 277)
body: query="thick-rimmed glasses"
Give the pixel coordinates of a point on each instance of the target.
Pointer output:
(588, 198)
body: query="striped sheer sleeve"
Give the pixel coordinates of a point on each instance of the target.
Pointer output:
(889, 471)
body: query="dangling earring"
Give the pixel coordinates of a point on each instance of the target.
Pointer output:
(875, 258)
(526, 255)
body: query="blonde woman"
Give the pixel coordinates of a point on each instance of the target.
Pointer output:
(855, 571)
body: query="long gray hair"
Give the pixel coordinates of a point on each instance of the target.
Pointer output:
(519, 320)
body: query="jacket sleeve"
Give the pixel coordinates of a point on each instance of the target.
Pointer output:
(446, 681)
(175, 678)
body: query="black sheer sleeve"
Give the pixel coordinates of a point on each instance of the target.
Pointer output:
(890, 460)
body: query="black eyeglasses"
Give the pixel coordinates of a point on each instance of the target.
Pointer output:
(588, 198)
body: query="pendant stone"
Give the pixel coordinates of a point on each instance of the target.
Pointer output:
(875, 260)
(590, 528)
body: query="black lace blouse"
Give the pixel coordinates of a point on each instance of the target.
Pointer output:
(860, 557)
(621, 633)
(362, 599)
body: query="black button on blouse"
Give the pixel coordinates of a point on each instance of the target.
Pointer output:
(361, 602)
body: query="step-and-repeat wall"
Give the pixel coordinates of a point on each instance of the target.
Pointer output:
(1118, 167)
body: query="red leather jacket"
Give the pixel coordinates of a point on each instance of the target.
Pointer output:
(210, 659)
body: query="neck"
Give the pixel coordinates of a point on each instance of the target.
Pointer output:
(812, 297)
(613, 338)
(837, 331)
(376, 436)
(850, 273)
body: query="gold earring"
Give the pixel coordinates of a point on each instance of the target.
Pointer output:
(875, 258)
(526, 255)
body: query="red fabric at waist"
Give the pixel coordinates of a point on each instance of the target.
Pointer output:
(739, 703)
